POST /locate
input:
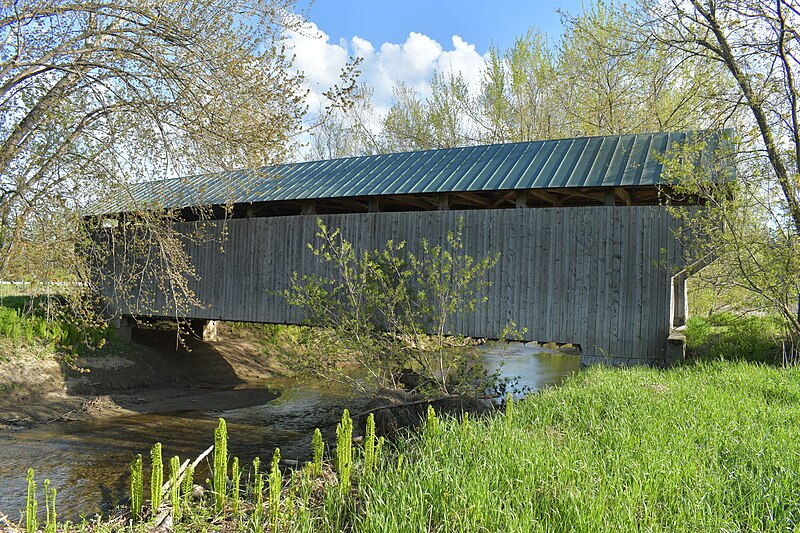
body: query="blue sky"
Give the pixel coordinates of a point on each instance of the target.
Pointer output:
(482, 23)
(407, 41)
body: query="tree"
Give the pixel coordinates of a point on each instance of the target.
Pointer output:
(518, 95)
(391, 309)
(95, 96)
(347, 130)
(438, 121)
(755, 232)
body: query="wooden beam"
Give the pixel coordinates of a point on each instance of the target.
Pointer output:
(623, 195)
(596, 197)
(309, 207)
(503, 199)
(374, 205)
(521, 199)
(471, 198)
(444, 201)
(546, 196)
(610, 199)
(417, 202)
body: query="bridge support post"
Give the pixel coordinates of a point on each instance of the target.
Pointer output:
(210, 331)
(122, 326)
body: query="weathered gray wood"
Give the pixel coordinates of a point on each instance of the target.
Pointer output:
(598, 277)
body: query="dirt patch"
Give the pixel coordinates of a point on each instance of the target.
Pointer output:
(153, 373)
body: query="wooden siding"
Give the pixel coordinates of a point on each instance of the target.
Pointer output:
(594, 276)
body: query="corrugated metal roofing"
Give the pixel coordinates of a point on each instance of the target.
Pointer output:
(609, 161)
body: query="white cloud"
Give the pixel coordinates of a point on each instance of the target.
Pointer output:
(412, 62)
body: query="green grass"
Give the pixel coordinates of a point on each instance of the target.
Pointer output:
(704, 447)
(708, 447)
(730, 337)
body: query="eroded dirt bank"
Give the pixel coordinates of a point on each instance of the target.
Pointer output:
(149, 375)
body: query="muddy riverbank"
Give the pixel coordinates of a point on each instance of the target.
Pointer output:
(148, 375)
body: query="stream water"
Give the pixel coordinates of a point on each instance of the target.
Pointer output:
(87, 461)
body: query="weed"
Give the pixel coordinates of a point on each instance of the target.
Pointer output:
(258, 495)
(369, 444)
(51, 519)
(156, 476)
(175, 487)
(220, 465)
(275, 479)
(236, 477)
(319, 449)
(31, 507)
(137, 487)
(344, 451)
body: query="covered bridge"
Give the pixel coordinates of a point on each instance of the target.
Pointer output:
(589, 255)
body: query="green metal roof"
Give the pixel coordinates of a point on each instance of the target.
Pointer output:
(608, 161)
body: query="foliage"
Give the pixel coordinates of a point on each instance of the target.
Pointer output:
(603, 76)
(236, 483)
(30, 323)
(51, 517)
(344, 451)
(156, 476)
(96, 96)
(318, 449)
(220, 465)
(752, 226)
(725, 336)
(175, 487)
(31, 506)
(369, 444)
(137, 486)
(391, 308)
(275, 479)
(609, 450)
(741, 230)
(258, 496)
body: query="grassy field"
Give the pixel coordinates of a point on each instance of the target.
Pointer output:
(709, 447)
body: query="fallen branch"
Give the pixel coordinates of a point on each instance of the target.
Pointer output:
(182, 470)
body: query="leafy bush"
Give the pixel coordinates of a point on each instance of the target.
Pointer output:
(26, 321)
(392, 309)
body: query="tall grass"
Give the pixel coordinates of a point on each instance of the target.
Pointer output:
(704, 447)
(710, 447)
(730, 337)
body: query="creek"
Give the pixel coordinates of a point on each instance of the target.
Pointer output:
(87, 461)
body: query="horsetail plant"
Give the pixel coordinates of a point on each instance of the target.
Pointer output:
(31, 507)
(431, 421)
(187, 484)
(50, 507)
(156, 476)
(236, 476)
(258, 495)
(369, 444)
(275, 479)
(319, 449)
(509, 409)
(379, 449)
(220, 465)
(175, 487)
(344, 450)
(137, 486)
